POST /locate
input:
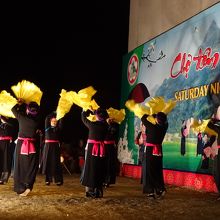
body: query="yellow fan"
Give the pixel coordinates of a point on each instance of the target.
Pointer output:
(27, 91)
(210, 132)
(201, 126)
(64, 104)
(117, 115)
(158, 104)
(92, 117)
(85, 105)
(139, 110)
(198, 125)
(92, 105)
(84, 98)
(7, 101)
(151, 119)
(155, 105)
(87, 93)
(169, 106)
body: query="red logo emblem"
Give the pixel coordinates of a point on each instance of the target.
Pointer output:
(133, 66)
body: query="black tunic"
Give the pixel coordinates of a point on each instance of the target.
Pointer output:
(26, 166)
(6, 150)
(215, 125)
(94, 167)
(111, 153)
(153, 180)
(51, 165)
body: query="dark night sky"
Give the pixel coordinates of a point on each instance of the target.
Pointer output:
(82, 44)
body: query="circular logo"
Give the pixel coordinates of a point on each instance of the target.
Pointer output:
(133, 69)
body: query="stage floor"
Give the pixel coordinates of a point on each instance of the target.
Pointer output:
(124, 200)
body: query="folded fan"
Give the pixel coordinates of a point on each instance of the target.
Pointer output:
(117, 115)
(138, 109)
(27, 91)
(7, 101)
(64, 104)
(84, 98)
(158, 104)
(201, 126)
(155, 105)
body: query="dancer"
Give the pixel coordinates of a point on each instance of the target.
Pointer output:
(214, 124)
(6, 149)
(140, 141)
(51, 164)
(111, 153)
(81, 153)
(27, 147)
(154, 118)
(93, 173)
(153, 181)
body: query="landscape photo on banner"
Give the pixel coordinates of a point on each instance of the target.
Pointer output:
(182, 64)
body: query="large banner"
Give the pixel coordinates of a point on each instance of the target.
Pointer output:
(181, 64)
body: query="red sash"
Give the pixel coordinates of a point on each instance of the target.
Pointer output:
(52, 141)
(5, 138)
(157, 148)
(27, 146)
(98, 148)
(109, 142)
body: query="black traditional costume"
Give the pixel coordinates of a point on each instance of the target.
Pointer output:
(214, 124)
(94, 167)
(153, 182)
(27, 147)
(51, 164)
(6, 149)
(111, 154)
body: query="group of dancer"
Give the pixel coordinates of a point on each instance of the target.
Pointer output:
(36, 149)
(154, 126)
(25, 157)
(100, 166)
(99, 169)
(150, 140)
